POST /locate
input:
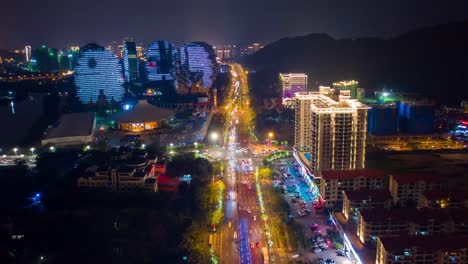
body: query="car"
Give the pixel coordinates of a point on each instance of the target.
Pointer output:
(307, 210)
(251, 244)
(330, 261)
(257, 244)
(317, 250)
(340, 253)
(314, 227)
(294, 200)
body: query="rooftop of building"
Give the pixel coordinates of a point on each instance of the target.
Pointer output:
(417, 177)
(366, 194)
(327, 99)
(400, 244)
(421, 215)
(143, 112)
(73, 125)
(453, 195)
(352, 174)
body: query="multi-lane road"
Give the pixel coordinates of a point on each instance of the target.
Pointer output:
(240, 238)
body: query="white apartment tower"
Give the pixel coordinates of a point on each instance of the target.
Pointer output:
(332, 128)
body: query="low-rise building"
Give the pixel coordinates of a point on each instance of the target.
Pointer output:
(125, 171)
(377, 222)
(440, 249)
(444, 199)
(75, 129)
(334, 182)
(356, 200)
(407, 188)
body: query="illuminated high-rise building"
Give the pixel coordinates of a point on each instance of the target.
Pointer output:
(98, 69)
(352, 86)
(333, 130)
(28, 53)
(160, 58)
(293, 83)
(197, 66)
(130, 60)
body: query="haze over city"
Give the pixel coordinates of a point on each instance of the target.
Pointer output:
(59, 23)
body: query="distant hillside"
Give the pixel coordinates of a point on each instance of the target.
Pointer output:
(432, 61)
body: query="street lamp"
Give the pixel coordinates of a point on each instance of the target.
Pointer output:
(52, 148)
(195, 144)
(172, 145)
(214, 137)
(270, 135)
(88, 147)
(32, 150)
(16, 151)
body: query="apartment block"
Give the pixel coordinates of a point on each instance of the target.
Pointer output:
(444, 199)
(332, 128)
(356, 200)
(378, 222)
(438, 249)
(335, 182)
(407, 188)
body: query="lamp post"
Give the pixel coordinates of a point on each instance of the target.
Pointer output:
(52, 148)
(270, 137)
(214, 137)
(16, 151)
(32, 150)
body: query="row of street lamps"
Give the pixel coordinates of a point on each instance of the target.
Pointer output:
(51, 148)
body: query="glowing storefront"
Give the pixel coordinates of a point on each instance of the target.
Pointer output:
(143, 116)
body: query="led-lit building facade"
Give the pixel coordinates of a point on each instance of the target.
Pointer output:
(293, 83)
(130, 60)
(160, 58)
(98, 69)
(196, 67)
(332, 128)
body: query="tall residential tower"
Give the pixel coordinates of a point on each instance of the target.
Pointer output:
(332, 129)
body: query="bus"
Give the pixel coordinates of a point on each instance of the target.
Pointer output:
(265, 257)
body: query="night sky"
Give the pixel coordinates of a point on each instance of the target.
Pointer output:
(59, 23)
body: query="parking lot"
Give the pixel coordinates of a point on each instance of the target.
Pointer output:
(307, 211)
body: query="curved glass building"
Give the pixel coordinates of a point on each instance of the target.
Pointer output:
(197, 65)
(98, 69)
(160, 58)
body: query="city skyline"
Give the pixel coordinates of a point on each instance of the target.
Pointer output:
(217, 23)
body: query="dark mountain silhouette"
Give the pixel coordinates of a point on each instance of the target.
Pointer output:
(432, 61)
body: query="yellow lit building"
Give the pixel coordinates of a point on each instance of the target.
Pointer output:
(143, 116)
